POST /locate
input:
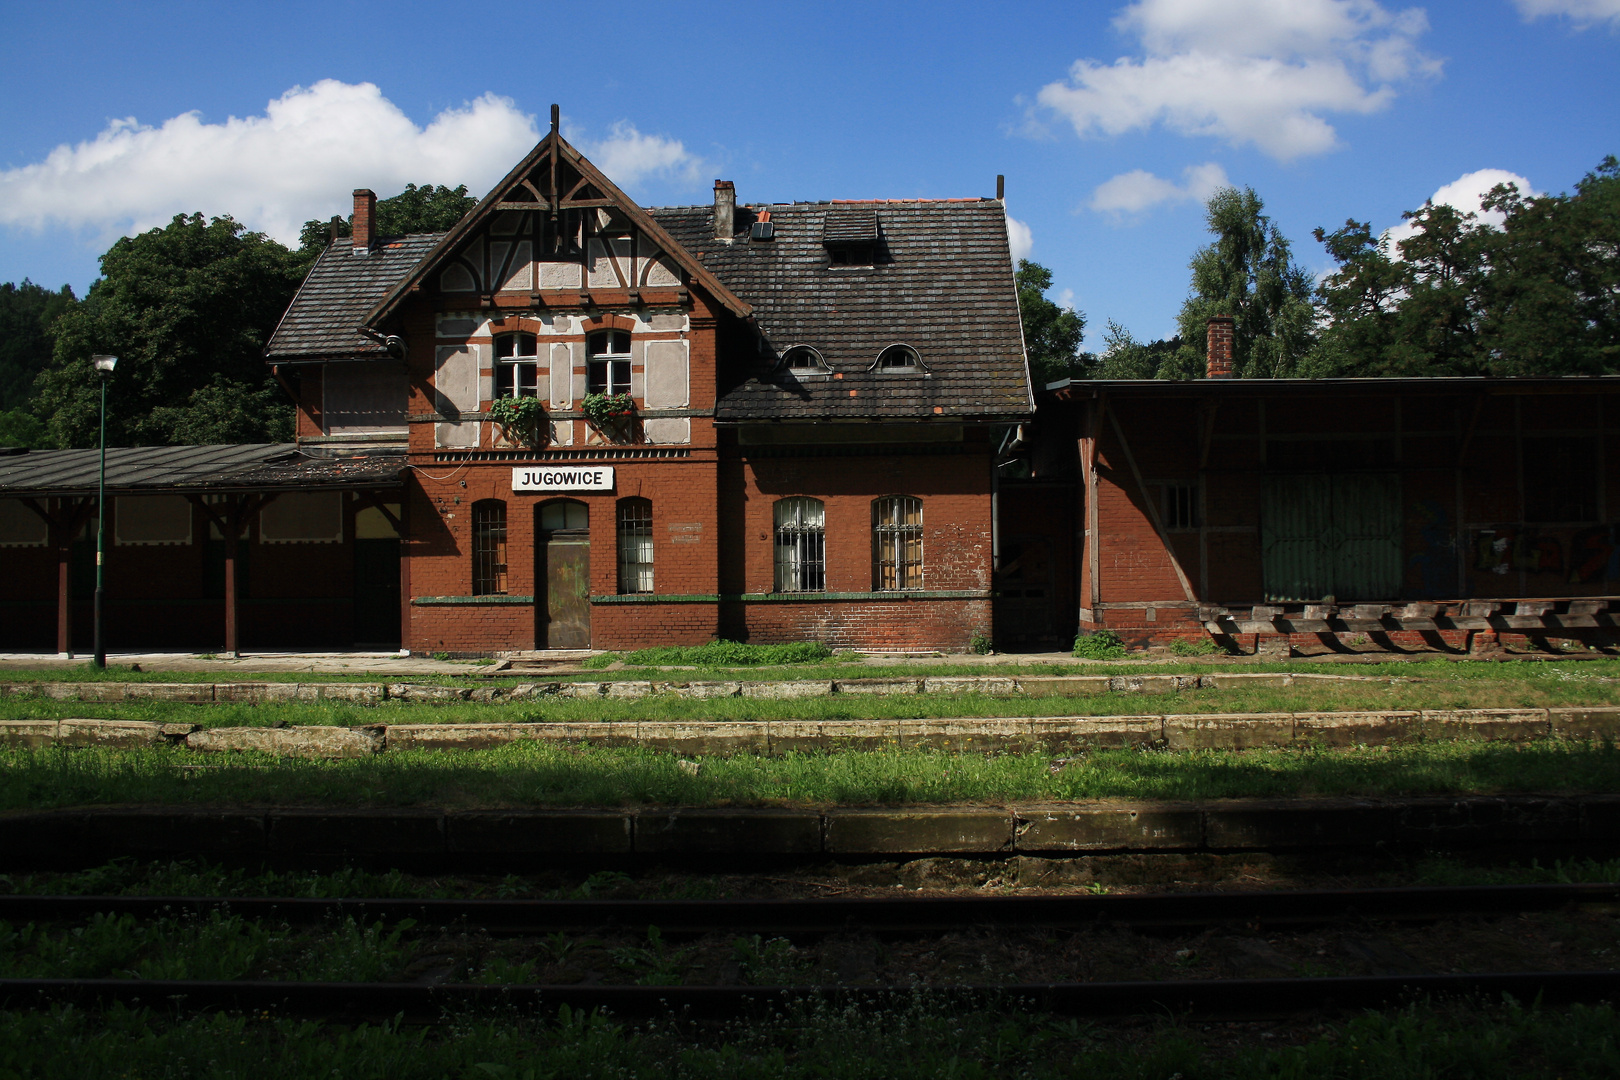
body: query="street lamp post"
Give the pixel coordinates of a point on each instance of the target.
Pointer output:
(104, 368)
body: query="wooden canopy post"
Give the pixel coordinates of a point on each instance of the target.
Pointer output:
(63, 519)
(238, 509)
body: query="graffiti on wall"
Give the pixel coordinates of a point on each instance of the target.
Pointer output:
(1593, 554)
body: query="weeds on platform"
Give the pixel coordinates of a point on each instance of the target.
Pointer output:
(914, 1036)
(545, 774)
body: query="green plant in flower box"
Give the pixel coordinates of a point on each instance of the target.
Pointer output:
(519, 418)
(612, 414)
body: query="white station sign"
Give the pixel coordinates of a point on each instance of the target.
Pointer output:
(563, 478)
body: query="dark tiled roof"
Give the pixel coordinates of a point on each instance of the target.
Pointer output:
(849, 226)
(341, 288)
(179, 469)
(942, 284)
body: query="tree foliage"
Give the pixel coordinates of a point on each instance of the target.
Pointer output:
(1539, 295)
(187, 309)
(1248, 273)
(28, 314)
(1052, 334)
(1126, 358)
(428, 208)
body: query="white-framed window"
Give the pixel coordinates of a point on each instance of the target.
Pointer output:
(804, 360)
(898, 358)
(607, 369)
(517, 366)
(635, 546)
(801, 545)
(897, 543)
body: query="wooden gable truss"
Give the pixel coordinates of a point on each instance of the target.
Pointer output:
(554, 225)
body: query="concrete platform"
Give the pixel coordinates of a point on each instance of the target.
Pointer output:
(91, 836)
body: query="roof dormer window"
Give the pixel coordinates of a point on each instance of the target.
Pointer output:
(897, 359)
(850, 236)
(803, 360)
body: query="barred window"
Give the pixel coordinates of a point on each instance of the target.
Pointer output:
(801, 545)
(489, 548)
(1180, 506)
(897, 543)
(635, 546)
(517, 366)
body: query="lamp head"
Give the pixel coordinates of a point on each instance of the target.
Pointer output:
(104, 364)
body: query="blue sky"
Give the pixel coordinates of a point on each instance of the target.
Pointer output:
(1109, 119)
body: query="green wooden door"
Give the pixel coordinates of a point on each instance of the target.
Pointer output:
(1331, 536)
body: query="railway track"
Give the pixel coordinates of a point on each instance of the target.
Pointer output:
(1206, 998)
(1143, 912)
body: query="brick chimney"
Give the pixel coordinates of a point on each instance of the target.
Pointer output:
(1220, 347)
(365, 219)
(725, 209)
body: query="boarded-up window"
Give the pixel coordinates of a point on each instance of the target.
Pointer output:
(364, 397)
(371, 523)
(152, 519)
(1331, 537)
(897, 543)
(20, 526)
(299, 517)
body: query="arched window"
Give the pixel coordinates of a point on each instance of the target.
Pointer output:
(607, 369)
(517, 366)
(801, 545)
(489, 547)
(564, 514)
(898, 358)
(804, 359)
(897, 551)
(635, 546)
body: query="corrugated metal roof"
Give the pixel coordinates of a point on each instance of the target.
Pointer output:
(254, 466)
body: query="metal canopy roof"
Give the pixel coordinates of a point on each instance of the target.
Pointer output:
(194, 470)
(1454, 384)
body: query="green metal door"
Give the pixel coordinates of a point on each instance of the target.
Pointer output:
(1331, 536)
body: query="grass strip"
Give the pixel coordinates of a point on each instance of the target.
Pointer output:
(539, 774)
(918, 1036)
(846, 666)
(1302, 697)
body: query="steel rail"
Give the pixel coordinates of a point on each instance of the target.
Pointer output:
(428, 1004)
(1146, 912)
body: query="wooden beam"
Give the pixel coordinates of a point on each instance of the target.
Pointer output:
(1153, 511)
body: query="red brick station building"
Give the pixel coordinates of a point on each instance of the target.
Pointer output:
(788, 422)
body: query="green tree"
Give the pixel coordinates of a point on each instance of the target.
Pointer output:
(1539, 295)
(27, 312)
(187, 309)
(1052, 334)
(1248, 273)
(422, 209)
(1126, 358)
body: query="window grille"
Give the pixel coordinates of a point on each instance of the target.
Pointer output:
(897, 543)
(635, 546)
(608, 362)
(801, 545)
(897, 358)
(517, 366)
(489, 548)
(1180, 506)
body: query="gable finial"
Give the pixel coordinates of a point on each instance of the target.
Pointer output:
(556, 116)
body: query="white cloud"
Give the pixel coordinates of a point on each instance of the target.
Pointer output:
(1020, 239)
(628, 157)
(1583, 13)
(1465, 194)
(1247, 71)
(299, 160)
(1138, 190)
